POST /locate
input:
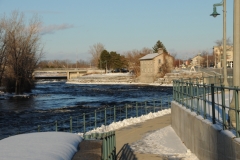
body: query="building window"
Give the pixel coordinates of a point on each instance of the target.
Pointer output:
(159, 61)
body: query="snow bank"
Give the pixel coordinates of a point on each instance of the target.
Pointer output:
(40, 146)
(126, 122)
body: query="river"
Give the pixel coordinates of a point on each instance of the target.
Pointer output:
(56, 99)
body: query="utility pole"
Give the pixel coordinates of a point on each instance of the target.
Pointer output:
(225, 82)
(215, 14)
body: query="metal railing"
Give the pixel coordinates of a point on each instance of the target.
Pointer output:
(211, 100)
(108, 144)
(85, 122)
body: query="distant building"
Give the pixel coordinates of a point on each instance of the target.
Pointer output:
(218, 54)
(197, 60)
(154, 65)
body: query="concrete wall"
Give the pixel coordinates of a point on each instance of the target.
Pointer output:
(75, 74)
(205, 140)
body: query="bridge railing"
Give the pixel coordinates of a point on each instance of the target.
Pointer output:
(218, 103)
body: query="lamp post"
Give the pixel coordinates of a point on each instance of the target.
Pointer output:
(236, 57)
(215, 14)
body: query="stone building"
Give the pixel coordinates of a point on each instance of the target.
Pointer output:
(154, 66)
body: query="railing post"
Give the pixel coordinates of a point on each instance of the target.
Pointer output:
(114, 146)
(187, 94)
(236, 110)
(204, 102)
(56, 125)
(107, 142)
(105, 154)
(71, 124)
(197, 98)
(223, 107)
(181, 91)
(84, 124)
(95, 118)
(213, 104)
(174, 90)
(191, 95)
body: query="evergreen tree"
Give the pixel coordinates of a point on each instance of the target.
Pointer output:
(104, 60)
(111, 60)
(158, 45)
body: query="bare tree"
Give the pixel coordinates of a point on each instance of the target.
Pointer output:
(3, 57)
(133, 59)
(220, 42)
(23, 49)
(167, 66)
(96, 51)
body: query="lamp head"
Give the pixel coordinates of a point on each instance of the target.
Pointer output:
(214, 14)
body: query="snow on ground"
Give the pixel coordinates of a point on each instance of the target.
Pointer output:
(75, 81)
(127, 122)
(121, 83)
(39, 146)
(108, 74)
(162, 142)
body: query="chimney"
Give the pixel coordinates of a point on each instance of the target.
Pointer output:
(160, 50)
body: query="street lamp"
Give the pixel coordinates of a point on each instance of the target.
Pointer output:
(215, 14)
(236, 57)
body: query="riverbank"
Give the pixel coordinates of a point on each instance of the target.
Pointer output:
(111, 79)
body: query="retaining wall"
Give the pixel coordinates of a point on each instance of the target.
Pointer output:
(206, 140)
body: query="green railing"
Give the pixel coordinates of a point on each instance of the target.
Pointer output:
(108, 141)
(213, 101)
(85, 122)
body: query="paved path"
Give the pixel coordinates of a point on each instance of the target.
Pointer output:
(127, 135)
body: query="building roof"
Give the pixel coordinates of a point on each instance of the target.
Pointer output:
(149, 56)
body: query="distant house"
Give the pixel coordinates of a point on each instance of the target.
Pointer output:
(218, 53)
(154, 65)
(197, 60)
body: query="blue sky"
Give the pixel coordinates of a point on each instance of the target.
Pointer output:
(72, 26)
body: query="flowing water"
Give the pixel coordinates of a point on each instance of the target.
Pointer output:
(54, 100)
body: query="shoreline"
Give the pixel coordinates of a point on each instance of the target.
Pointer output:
(120, 83)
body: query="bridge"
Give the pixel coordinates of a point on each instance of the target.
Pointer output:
(62, 73)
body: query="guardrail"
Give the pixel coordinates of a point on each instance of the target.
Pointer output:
(109, 144)
(213, 101)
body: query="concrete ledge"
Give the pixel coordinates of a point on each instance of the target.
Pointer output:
(204, 139)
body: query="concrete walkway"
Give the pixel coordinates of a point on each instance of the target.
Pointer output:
(127, 135)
